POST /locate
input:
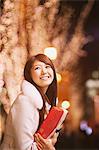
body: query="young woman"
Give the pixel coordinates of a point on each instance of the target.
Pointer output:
(39, 92)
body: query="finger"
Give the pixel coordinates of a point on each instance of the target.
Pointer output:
(39, 146)
(38, 140)
(41, 138)
(38, 143)
(54, 138)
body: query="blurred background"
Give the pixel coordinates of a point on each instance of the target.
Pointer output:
(67, 31)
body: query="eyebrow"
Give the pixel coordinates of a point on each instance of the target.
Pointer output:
(39, 65)
(36, 65)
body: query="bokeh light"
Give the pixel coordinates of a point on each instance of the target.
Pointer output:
(51, 52)
(65, 104)
(59, 77)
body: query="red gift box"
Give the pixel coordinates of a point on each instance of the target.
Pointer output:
(52, 122)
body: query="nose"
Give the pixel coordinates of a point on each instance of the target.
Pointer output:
(44, 70)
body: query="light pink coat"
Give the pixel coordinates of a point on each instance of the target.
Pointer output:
(23, 120)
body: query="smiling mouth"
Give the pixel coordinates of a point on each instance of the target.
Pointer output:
(44, 78)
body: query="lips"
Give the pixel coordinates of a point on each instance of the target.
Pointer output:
(44, 77)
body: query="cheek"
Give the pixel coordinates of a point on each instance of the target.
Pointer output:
(52, 74)
(34, 76)
(53, 77)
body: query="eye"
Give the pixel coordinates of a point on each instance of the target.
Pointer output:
(37, 68)
(48, 66)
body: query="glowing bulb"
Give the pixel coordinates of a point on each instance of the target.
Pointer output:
(51, 52)
(59, 77)
(65, 104)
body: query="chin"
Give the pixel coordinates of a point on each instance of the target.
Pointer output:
(45, 84)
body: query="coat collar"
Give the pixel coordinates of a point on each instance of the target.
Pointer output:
(31, 91)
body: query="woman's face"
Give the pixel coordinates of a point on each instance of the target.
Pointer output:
(42, 74)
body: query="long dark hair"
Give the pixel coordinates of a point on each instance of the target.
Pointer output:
(51, 93)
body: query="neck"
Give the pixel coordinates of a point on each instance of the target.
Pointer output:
(44, 89)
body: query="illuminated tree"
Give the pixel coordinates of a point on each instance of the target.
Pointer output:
(29, 26)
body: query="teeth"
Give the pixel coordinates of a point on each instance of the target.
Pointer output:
(44, 77)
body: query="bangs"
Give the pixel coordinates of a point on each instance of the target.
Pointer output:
(45, 59)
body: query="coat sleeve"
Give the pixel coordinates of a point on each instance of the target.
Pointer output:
(25, 120)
